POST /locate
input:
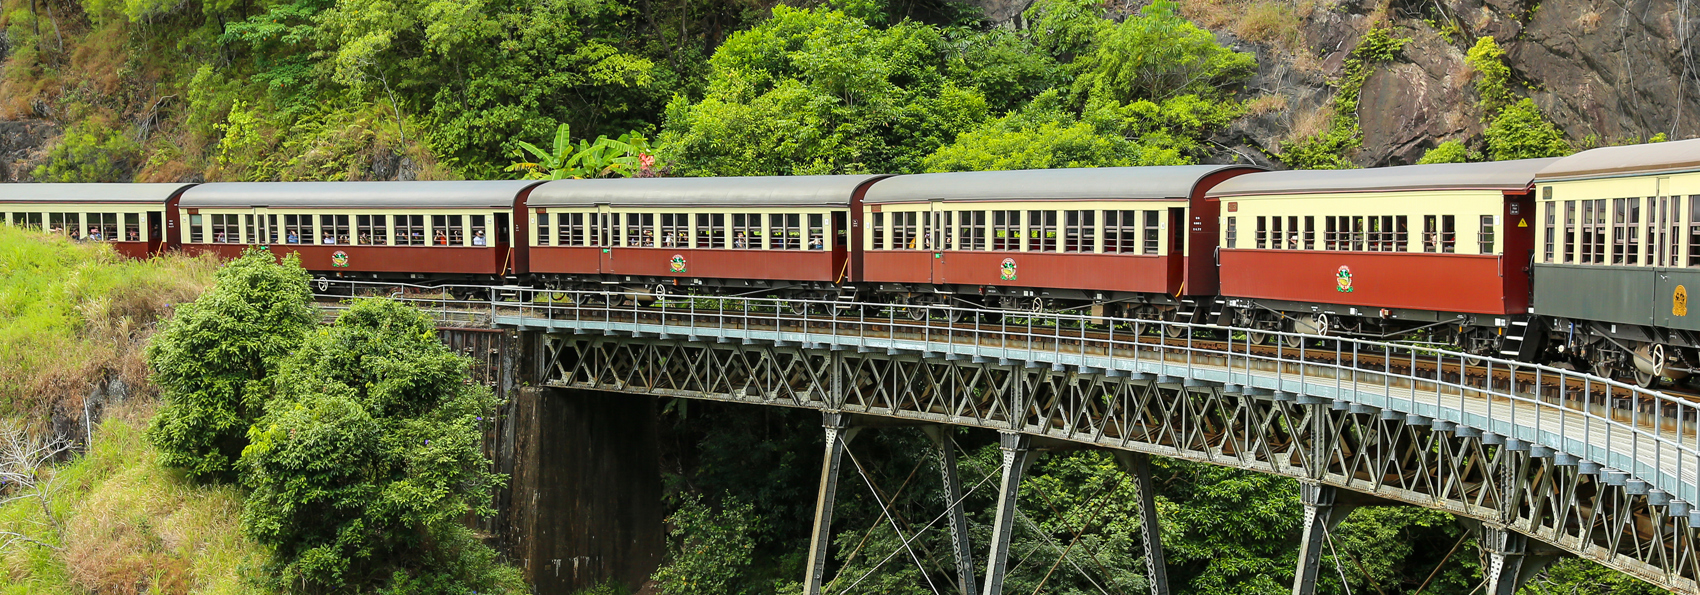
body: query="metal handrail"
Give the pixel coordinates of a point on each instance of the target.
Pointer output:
(1630, 443)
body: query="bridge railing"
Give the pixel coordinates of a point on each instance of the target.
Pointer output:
(1631, 436)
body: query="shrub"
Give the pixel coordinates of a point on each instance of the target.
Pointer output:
(90, 152)
(1448, 152)
(709, 550)
(213, 360)
(370, 457)
(1520, 132)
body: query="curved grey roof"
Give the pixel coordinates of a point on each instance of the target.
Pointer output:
(90, 193)
(770, 191)
(1079, 183)
(357, 195)
(1605, 162)
(1493, 175)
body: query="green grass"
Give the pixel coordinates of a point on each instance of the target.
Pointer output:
(73, 312)
(130, 526)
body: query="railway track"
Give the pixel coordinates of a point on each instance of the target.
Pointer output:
(1615, 399)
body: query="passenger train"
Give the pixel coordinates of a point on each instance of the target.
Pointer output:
(1583, 260)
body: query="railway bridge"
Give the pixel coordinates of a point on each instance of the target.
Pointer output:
(1547, 462)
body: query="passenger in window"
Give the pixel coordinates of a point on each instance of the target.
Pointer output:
(740, 242)
(219, 237)
(343, 239)
(94, 233)
(667, 241)
(816, 244)
(365, 239)
(133, 236)
(292, 238)
(478, 238)
(329, 239)
(440, 239)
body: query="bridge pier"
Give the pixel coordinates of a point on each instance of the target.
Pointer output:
(1017, 455)
(838, 435)
(953, 501)
(1156, 570)
(1322, 513)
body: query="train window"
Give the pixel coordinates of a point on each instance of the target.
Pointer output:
(1232, 233)
(940, 232)
(1153, 231)
(409, 230)
(542, 228)
(746, 231)
(248, 228)
(1293, 232)
(879, 231)
(904, 235)
(840, 230)
(133, 227)
(1388, 234)
(61, 223)
(1042, 230)
(194, 229)
(1632, 231)
(1275, 235)
(1310, 233)
(711, 230)
(569, 229)
(1485, 235)
(1431, 234)
(1448, 234)
(675, 230)
(1548, 227)
(261, 229)
(1569, 237)
(32, 220)
(1121, 231)
(1330, 234)
(298, 229)
(225, 229)
(1006, 230)
(972, 230)
(1619, 214)
(1262, 232)
(334, 228)
(640, 230)
(102, 226)
(1600, 226)
(1694, 230)
(1358, 231)
(1377, 235)
(477, 231)
(1401, 234)
(784, 231)
(817, 231)
(1673, 222)
(373, 230)
(1079, 227)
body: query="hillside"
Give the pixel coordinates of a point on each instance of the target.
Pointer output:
(172, 90)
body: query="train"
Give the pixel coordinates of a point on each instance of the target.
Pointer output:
(1581, 261)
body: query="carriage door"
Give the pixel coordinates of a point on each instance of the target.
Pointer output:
(938, 241)
(1177, 247)
(156, 231)
(604, 227)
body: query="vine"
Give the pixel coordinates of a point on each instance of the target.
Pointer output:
(1328, 149)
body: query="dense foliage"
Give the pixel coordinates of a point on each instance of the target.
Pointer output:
(359, 443)
(370, 456)
(214, 359)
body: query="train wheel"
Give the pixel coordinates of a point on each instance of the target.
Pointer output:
(1647, 364)
(1257, 338)
(799, 307)
(1294, 341)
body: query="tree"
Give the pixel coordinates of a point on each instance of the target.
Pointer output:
(1157, 55)
(1521, 132)
(1448, 152)
(709, 549)
(366, 463)
(213, 360)
(819, 91)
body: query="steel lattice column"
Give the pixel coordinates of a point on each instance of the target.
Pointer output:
(1322, 513)
(1156, 570)
(1016, 457)
(838, 436)
(953, 501)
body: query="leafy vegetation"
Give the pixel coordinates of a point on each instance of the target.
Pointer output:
(1331, 148)
(213, 361)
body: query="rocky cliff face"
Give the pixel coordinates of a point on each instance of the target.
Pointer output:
(1603, 71)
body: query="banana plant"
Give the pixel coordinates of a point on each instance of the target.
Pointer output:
(627, 156)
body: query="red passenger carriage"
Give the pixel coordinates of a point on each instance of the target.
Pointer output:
(458, 231)
(132, 218)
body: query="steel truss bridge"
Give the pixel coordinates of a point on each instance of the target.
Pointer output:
(1548, 462)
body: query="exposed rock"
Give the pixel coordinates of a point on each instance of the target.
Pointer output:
(23, 143)
(1406, 108)
(1614, 71)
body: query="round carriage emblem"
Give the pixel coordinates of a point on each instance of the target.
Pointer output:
(1343, 279)
(677, 264)
(1679, 301)
(1007, 269)
(339, 259)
